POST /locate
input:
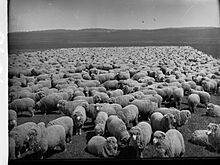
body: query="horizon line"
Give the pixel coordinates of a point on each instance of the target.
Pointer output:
(185, 27)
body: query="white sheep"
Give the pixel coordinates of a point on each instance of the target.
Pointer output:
(129, 115)
(169, 144)
(23, 105)
(79, 118)
(100, 123)
(103, 147)
(67, 123)
(213, 110)
(123, 100)
(40, 138)
(17, 139)
(193, 101)
(204, 96)
(214, 135)
(12, 119)
(162, 122)
(67, 107)
(200, 137)
(140, 137)
(178, 95)
(117, 128)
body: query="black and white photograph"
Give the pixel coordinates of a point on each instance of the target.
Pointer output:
(112, 80)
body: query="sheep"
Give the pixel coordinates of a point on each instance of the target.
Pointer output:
(145, 107)
(154, 98)
(111, 84)
(193, 101)
(166, 93)
(129, 115)
(45, 83)
(22, 105)
(162, 122)
(101, 96)
(91, 111)
(178, 94)
(210, 86)
(12, 119)
(200, 137)
(87, 90)
(17, 139)
(103, 77)
(123, 100)
(41, 139)
(140, 137)
(213, 110)
(123, 75)
(67, 107)
(48, 103)
(169, 144)
(204, 96)
(214, 135)
(137, 94)
(90, 100)
(115, 93)
(100, 123)
(181, 117)
(103, 147)
(117, 128)
(108, 108)
(67, 123)
(87, 83)
(79, 118)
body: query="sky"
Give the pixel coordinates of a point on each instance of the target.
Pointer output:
(33, 15)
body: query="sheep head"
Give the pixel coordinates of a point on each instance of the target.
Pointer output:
(33, 138)
(96, 99)
(99, 129)
(212, 128)
(158, 137)
(136, 140)
(111, 146)
(185, 115)
(169, 121)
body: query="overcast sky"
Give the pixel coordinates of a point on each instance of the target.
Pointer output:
(29, 15)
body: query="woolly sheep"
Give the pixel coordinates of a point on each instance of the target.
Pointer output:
(104, 98)
(79, 118)
(181, 117)
(48, 103)
(200, 137)
(110, 109)
(213, 110)
(67, 123)
(12, 119)
(169, 144)
(100, 123)
(40, 138)
(123, 100)
(154, 98)
(102, 147)
(210, 86)
(90, 100)
(166, 93)
(17, 139)
(67, 107)
(204, 96)
(103, 77)
(117, 128)
(123, 75)
(87, 90)
(111, 84)
(193, 101)
(129, 115)
(162, 122)
(140, 137)
(178, 95)
(115, 93)
(214, 135)
(87, 83)
(145, 107)
(22, 105)
(45, 83)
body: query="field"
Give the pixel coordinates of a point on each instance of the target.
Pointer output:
(27, 46)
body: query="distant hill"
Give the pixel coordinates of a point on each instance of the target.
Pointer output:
(205, 39)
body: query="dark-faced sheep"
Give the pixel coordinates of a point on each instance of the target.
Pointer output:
(169, 144)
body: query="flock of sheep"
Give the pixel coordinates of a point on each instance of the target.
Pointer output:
(132, 96)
